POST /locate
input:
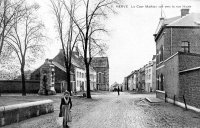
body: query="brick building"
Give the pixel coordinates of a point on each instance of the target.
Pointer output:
(101, 66)
(177, 61)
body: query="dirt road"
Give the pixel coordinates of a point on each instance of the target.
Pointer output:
(108, 110)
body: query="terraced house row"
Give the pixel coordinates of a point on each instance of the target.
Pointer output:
(143, 79)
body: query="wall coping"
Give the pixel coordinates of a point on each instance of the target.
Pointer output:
(188, 70)
(183, 105)
(160, 91)
(24, 105)
(20, 81)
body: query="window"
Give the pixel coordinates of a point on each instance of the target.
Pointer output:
(162, 82)
(185, 46)
(161, 53)
(157, 56)
(158, 83)
(100, 77)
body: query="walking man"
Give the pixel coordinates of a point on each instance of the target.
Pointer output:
(118, 90)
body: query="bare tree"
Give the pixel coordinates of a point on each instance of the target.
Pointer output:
(25, 38)
(66, 32)
(8, 11)
(89, 25)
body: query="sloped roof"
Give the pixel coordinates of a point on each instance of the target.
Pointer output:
(100, 62)
(59, 58)
(59, 66)
(115, 84)
(76, 61)
(154, 56)
(190, 20)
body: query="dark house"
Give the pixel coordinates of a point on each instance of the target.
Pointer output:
(101, 66)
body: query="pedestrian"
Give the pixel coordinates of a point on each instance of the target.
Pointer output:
(118, 90)
(65, 107)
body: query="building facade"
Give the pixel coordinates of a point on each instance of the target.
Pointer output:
(141, 79)
(149, 77)
(101, 66)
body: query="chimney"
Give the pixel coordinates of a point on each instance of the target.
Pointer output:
(184, 12)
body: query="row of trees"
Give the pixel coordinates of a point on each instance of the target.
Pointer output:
(20, 34)
(78, 22)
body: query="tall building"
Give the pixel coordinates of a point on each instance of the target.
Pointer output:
(101, 66)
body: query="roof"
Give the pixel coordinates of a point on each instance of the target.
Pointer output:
(100, 62)
(60, 66)
(76, 61)
(154, 57)
(59, 58)
(115, 84)
(189, 20)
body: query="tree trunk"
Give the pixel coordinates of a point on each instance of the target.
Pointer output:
(87, 66)
(2, 41)
(68, 75)
(69, 80)
(23, 81)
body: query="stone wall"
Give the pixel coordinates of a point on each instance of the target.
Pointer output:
(160, 94)
(19, 112)
(32, 86)
(171, 76)
(190, 87)
(188, 60)
(189, 80)
(14, 86)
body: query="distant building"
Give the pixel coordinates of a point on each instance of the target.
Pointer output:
(150, 75)
(141, 79)
(125, 84)
(101, 66)
(154, 73)
(130, 81)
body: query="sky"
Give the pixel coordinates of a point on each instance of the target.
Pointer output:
(131, 42)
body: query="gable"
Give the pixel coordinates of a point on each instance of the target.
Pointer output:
(100, 62)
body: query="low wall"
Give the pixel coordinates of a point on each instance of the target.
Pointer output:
(15, 86)
(18, 112)
(160, 94)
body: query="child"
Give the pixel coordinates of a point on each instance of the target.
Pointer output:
(65, 106)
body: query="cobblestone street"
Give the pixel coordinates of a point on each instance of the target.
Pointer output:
(108, 110)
